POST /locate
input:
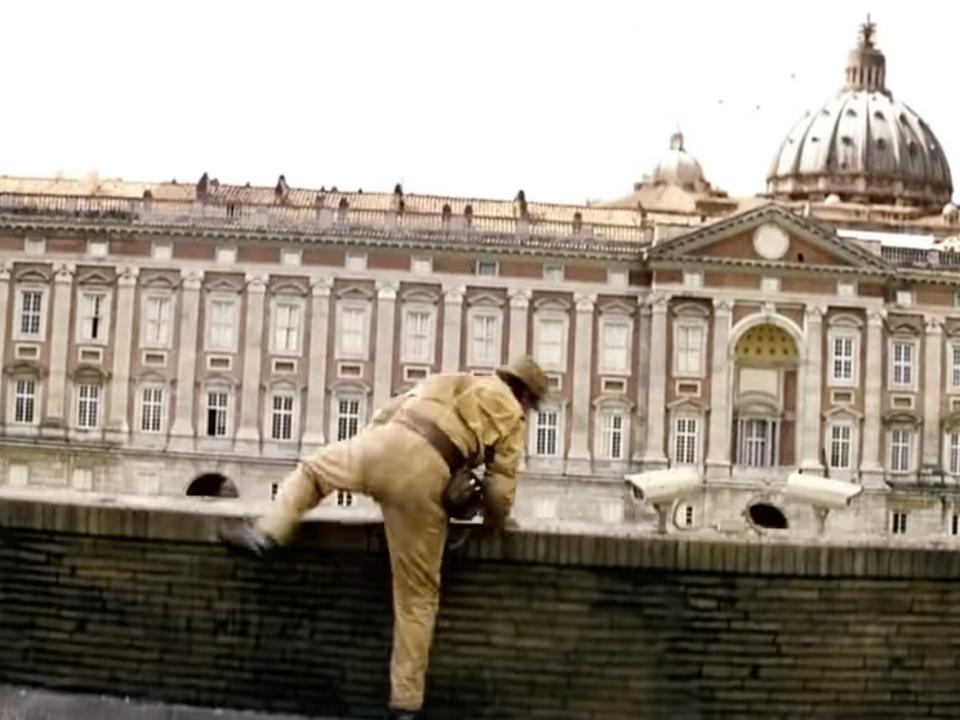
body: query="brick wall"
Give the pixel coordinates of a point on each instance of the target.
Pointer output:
(532, 625)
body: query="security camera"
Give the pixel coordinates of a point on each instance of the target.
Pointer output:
(662, 486)
(821, 492)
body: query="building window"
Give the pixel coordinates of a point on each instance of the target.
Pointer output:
(901, 364)
(757, 446)
(93, 317)
(547, 433)
(615, 350)
(418, 335)
(421, 264)
(356, 261)
(88, 406)
(217, 408)
(899, 523)
(550, 342)
(25, 401)
(841, 446)
(955, 366)
(157, 324)
(353, 331)
(281, 424)
(553, 273)
(487, 268)
(953, 462)
(31, 303)
(348, 417)
(842, 362)
(685, 441)
(484, 338)
(688, 516)
(151, 409)
(901, 441)
(611, 435)
(689, 354)
(955, 524)
(222, 324)
(344, 498)
(286, 323)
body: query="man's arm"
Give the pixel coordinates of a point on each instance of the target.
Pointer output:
(500, 483)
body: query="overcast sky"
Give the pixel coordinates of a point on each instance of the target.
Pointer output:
(567, 100)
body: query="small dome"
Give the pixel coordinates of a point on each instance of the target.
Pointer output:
(949, 210)
(863, 145)
(678, 167)
(832, 199)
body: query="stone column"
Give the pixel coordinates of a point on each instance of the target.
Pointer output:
(932, 391)
(519, 310)
(56, 420)
(182, 432)
(721, 418)
(812, 389)
(313, 434)
(871, 466)
(248, 433)
(452, 328)
(643, 380)
(578, 459)
(4, 305)
(384, 347)
(118, 424)
(654, 456)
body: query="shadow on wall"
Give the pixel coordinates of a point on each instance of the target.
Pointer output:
(212, 485)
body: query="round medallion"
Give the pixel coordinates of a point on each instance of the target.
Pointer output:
(770, 242)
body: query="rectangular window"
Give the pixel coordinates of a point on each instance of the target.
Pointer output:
(158, 319)
(418, 336)
(485, 346)
(954, 460)
(685, 441)
(151, 409)
(88, 406)
(902, 358)
(689, 349)
(217, 405)
(222, 324)
(31, 303)
(840, 447)
(352, 326)
(843, 359)
(899, 523)
(287, 327)
(955, 366)
(487, 268)
(611, 435)
(900, 441)
(955, 524)
(25, 401)
(550, 342)
(757, 442)
(548, 427)
(616, 344)
(348, 418)
(93, 319)
(281, 427)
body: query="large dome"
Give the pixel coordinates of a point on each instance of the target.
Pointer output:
(863, 145)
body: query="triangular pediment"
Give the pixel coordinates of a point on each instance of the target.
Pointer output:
(768, 235)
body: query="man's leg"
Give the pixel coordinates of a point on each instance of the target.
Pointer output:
(416, 535)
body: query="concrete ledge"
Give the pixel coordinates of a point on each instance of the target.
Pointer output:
(616, 546)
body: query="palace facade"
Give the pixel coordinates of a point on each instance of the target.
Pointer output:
(153, 331)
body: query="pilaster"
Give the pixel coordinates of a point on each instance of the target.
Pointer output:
(932, 393)
(654, 456)
(578, 459)
(118, 425)
(182, 431)
(55, 423)
(313, 434)
(248, 433)
(812, 389)
(643, 380)
(452, 328)
(519, 318)
(871, 467)
(721, 418)
(384, 348)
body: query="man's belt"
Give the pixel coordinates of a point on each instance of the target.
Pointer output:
(437, 438)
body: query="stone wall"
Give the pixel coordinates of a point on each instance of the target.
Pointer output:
(532, 625)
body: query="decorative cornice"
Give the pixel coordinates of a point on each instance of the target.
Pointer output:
(387, 290)
(933, 324)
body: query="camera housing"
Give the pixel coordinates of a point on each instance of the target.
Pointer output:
(821, 492)
(662, 486)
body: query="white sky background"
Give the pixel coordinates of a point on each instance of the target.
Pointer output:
(567, 100)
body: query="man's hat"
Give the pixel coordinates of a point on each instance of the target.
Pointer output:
(526, 370)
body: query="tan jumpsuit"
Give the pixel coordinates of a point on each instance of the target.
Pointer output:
(402, 472)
